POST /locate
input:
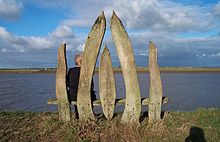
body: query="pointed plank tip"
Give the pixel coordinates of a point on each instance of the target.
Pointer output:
(102, 14)
(151, 44)
(117, 25)
(106, 49)
(63, 45)
(101, 19)
(114, 16)
(113, 13)
(105, 52)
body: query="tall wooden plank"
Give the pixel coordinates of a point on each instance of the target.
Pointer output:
(92, 48)
(155, 96)
(132, 110)
(107, 84)
(61, 91)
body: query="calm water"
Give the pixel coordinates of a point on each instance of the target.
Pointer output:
(186, 91)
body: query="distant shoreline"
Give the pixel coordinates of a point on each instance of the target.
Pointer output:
(116, 69)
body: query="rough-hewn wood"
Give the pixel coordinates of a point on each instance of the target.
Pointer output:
(132, 110)
(107, 84)
(155, 96)
(61, 92)
(92, 48)
(144, 101)
(52, 101)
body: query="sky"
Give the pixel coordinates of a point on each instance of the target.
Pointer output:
(186, 32)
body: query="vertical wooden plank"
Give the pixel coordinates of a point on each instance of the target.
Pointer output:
(92, 48)
(155, 96)
(61, 92)
(132, 110)
(107, 84)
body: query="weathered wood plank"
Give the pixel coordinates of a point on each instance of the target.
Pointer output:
(155, 96)
(132, 110)
(92, 48)
(52, 101)
(107, 84)
(144, 101)
(61, 92)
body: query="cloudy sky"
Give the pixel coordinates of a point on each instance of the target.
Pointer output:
(186, 32)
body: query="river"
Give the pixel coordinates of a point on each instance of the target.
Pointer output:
(186, 91)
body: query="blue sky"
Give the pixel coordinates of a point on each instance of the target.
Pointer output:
(186, 32)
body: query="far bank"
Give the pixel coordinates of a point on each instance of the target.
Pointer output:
(116, 69)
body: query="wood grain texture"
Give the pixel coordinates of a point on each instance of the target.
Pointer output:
(107, 84)
(155, 96)
(92, 48)
(61, 90)
(144, 101)
(132, 110)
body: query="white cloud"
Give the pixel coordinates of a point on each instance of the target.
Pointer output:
(156, 15)
(62, 31)
(143, 54)
(13, 43)
(4, 50)
(62, 34)
(163, 15)
(81, 47)
(202, 55)
(4, 33)
(216, 9)
(141, 14)
(174, 47)
(216, 55)
(156, 20)
(144, 14)
(10, 9)
(38, 42)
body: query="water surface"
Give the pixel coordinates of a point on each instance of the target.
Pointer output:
(186, 91)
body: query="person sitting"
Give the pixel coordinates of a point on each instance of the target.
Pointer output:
(73, 81)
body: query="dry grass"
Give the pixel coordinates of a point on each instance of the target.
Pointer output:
(175, 126)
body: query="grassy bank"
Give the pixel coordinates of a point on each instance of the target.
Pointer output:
(175, 126)
(116, 69)
(29, 70)
(174, 69)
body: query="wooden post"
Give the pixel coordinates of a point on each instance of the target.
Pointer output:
(155, 96)
(61, 92)
(92, 48)
(107, 84)
(132, 110)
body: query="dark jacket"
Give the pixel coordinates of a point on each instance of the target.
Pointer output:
(72, 83)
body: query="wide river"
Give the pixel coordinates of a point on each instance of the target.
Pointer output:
(186, 91)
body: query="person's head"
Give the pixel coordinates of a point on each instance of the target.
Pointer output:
(78, 59)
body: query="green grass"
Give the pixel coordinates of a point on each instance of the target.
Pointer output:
(203, 124)
(29, 70)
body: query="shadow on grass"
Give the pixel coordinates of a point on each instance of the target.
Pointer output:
(196, 134)
(145, 115)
